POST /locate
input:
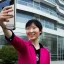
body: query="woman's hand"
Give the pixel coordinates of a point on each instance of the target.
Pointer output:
(4, 15)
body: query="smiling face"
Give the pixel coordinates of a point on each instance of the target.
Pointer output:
(33, 32)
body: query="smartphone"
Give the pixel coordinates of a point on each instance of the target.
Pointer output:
(11, 24)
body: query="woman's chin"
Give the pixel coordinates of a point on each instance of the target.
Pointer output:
(32, 39)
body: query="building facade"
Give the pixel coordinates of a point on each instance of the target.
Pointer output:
(51, 14)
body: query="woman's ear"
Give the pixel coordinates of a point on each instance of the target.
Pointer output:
(40, 32)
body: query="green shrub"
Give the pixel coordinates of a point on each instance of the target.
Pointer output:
(8, 55)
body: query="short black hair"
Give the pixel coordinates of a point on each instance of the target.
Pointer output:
(36, 22)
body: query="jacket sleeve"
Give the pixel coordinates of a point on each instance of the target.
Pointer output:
(48, 57)
(18, 43)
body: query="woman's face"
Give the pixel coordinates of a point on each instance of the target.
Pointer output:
(33, 32)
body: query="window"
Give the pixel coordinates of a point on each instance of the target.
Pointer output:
(26, 2)
(51, 1)
(24, 37)
(37, 5)
(49, 24)
(23, 16)
(2, 40)
(48, 9)
(50, 41)
(60, 48)
(60, 26)
(55, 44)
(36, 17)
(42, 22)
(44, 8)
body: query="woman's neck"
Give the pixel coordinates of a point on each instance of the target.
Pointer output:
(36, 44)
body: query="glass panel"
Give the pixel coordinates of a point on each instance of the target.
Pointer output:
(44, 8)
(46, 24)
(30, 4)
(42, 22)
(50, 41)
(51, 1)
(60, 26)
(22, 2)
(48, 9)
(23, 17)
(37, 5)
(24, 37)
(60, 48)
(2, 40)
(26, 2)
(50, 24)
(36, 17)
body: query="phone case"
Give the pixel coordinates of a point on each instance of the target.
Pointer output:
(11, 24)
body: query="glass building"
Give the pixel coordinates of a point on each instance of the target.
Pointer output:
(51, 14)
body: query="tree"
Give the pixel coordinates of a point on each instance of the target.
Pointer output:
(8, 55)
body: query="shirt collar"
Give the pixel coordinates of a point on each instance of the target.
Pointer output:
(30, 43)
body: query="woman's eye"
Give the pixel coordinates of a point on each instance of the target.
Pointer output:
(34, 27)
(27, 28)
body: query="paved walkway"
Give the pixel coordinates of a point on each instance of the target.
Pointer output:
(57, 62)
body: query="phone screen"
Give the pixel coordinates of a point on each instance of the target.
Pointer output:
(11, 24)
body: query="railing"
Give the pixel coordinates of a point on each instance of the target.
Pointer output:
(61, 7)
(38, 6)
(51, 1)
(61, 2)
(62, 18)
(25, 3)
(31, 4)
(56, 57)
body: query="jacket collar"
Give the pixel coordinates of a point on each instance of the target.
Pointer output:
(30, 43)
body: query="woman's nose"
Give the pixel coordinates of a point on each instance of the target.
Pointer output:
(31, 30)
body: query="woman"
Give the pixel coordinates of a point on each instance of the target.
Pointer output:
(31, 51)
